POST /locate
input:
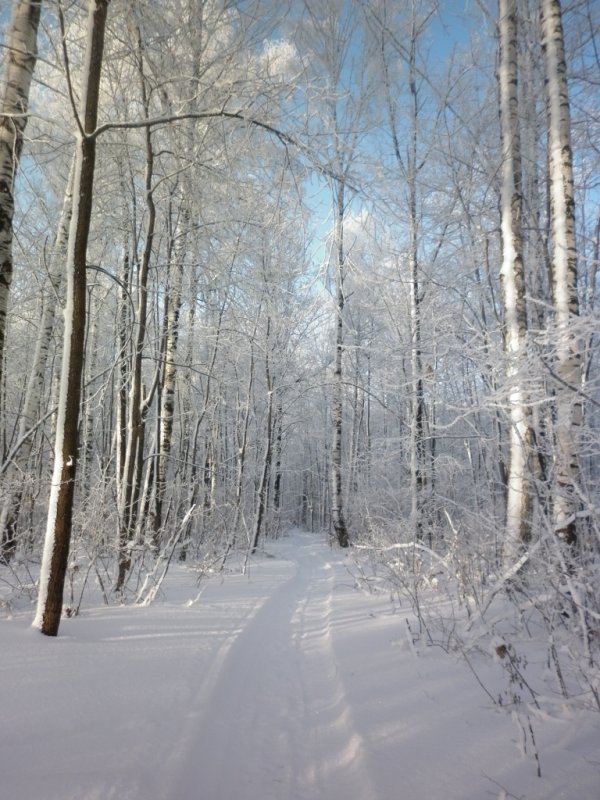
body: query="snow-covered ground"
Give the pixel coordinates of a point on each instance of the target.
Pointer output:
(285, 684)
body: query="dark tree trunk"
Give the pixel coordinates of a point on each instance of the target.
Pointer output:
(58, 532)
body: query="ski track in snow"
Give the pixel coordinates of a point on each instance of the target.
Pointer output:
(293, 733)
(284, 684)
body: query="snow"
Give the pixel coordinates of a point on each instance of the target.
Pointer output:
(286, 683)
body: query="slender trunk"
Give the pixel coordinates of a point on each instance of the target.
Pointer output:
(21, 45)
(87, 447)
(518, 499)
(130, 485)
(357, 403)
(261, 500)
(535, 244)
(242, 443)
(367, 470)
(167, 394)
(590, 297)
(278, 452)
(123, 326)
(569, 407)
(409, 165)
(337, 503)
(189, 436)
(60, 509)
(417, 434)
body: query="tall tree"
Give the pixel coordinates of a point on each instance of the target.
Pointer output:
(66, 446)
(518, 497)
(337, 500)
(137, 404)
(569, 408)
(21, 45)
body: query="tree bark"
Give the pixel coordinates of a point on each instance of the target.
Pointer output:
(66, 447)
(417, 421)
(21, 44)
(261, 498)
(337, 501)
(167, 394)
(518, 494)
(131, 469)
(569, 407)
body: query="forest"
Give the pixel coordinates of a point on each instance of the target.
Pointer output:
(328, 264)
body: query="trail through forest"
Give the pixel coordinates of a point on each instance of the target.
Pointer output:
(285, 683)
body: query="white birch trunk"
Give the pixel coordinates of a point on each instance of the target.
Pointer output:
(417, 417)
(518, 503)
(124, 321)
(569, 409)
(261, 495)
(21, 44)
(337, 502)
(167, 397)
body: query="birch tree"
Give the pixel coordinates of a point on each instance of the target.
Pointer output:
(337, 500)
(66, 446)
(136, 405)
(518, 498)
(173, 303)
(21, 46)
(569, 409)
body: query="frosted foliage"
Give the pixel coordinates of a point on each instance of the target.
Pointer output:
(279, 59)
(360, 223)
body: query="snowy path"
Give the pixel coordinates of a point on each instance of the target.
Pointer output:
(286, 684)
(292, 733)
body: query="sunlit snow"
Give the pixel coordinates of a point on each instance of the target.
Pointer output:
(287, 683)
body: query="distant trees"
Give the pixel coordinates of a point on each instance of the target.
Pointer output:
(407, 101)
(339, 75)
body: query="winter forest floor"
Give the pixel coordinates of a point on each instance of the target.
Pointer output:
(286, 683)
